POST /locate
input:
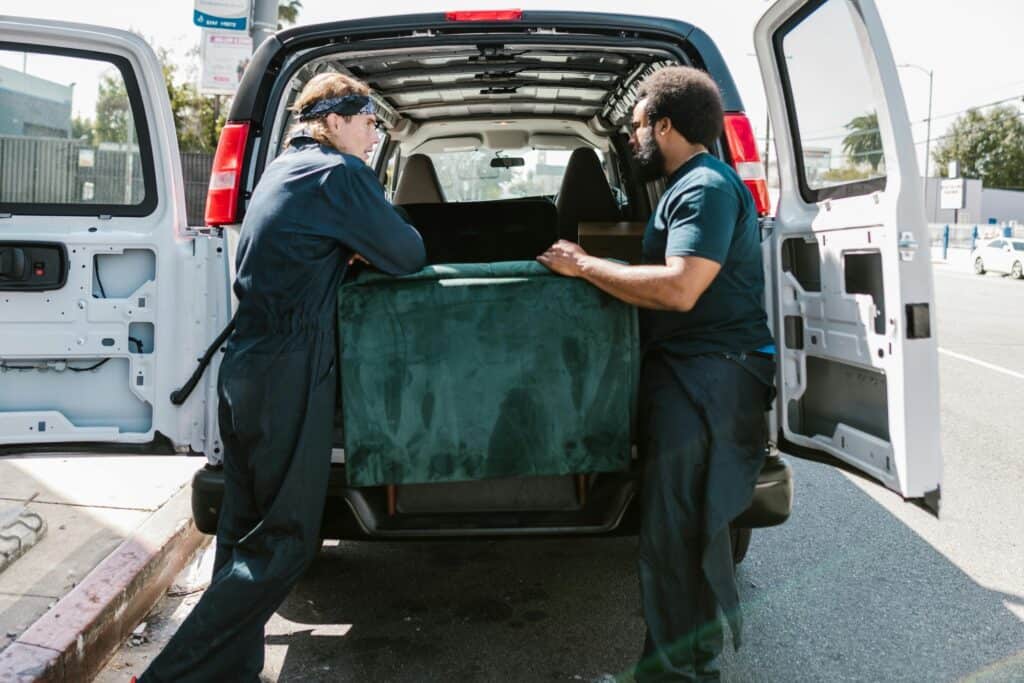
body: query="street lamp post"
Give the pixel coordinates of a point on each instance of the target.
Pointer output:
(928, 134)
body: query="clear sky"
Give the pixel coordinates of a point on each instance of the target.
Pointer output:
(973, 48)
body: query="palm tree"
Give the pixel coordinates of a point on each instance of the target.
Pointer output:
(864, 141)
(288, 13)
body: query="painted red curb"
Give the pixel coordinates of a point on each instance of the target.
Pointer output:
(73, 640)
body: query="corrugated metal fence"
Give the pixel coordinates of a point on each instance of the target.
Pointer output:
(57, 171)
(195, 167)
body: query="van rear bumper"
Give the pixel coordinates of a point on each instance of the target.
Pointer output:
(610, 508)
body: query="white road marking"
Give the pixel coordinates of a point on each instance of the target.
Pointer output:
(982, 363)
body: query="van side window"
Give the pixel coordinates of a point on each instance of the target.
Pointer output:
(73, 139)
(830, 85)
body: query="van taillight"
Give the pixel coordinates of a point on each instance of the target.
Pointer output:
(743, 149)
(485, 15)
(226, 175)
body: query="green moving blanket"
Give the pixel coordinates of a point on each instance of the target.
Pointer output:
(473, 371)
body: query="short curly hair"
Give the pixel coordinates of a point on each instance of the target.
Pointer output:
(689, 98)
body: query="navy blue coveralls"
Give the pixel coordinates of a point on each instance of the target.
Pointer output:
(705, 384)
(313, 209)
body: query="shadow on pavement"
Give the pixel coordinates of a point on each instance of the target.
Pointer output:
(844, 591)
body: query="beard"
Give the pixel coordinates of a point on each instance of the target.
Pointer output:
(649, 159)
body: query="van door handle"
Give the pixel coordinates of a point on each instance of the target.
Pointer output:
(12, 263)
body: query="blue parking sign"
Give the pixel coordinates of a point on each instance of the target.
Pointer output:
(231, 15)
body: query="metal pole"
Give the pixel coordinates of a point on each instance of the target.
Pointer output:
(264, 21)
(928, 136)
(928, 139)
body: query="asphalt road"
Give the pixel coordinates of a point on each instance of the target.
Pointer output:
(857, 586)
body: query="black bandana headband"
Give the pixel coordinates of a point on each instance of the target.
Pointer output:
(348, 105)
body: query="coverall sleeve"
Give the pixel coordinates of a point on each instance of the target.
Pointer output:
(368, 224)
(701, 222)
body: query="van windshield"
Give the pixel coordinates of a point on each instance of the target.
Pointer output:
(487, 174)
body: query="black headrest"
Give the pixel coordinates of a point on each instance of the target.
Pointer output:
(585, 194)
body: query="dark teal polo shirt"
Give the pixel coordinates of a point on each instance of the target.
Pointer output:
(707, 211)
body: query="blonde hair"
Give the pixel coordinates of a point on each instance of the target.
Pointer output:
(318, 88)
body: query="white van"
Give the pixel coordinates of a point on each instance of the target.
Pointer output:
(109, 300)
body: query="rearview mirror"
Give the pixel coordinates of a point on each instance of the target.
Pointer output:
(507, 162)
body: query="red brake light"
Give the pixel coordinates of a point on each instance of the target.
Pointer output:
(226, 175)
(485, 15)
(739, 135)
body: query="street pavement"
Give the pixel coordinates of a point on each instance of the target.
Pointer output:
(857, 586)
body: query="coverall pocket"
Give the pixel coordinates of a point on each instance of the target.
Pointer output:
(325, 367)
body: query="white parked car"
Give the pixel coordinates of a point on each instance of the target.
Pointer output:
(1001, 255)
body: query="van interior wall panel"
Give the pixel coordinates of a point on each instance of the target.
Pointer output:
(863, 274)
(481, 371)
(71, 364)
(803, 259)
(123, 274)
(145, 334)
(95, 398)
(861, 402)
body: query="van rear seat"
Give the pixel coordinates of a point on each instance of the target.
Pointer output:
(485, 232)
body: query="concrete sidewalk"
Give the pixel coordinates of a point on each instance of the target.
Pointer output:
(957, 258)
(118, 530)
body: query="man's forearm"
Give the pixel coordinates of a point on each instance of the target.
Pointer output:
(644, 286)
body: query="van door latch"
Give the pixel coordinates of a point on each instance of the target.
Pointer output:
(908, 246)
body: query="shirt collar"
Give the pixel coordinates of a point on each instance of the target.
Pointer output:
(685, 167)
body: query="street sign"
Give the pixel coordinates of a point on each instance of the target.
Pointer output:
(228, 15)
(951, 194)
(224, 56)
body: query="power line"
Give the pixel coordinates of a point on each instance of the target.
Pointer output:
(1015, 98)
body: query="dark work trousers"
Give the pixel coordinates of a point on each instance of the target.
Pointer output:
(703, 434)
(277, 393)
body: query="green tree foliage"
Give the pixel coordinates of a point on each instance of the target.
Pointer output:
(197, 118)
(864, 141)
(288, 13)
(988, 145)
(113, 111)
(82, 129)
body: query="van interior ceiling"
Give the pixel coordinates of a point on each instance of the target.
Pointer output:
(541, 96)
